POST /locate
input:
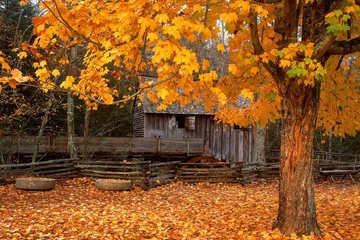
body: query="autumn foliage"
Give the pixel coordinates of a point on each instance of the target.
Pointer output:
(296, 60)
(75, 209)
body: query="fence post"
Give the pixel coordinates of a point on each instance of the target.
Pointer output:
(147, 174)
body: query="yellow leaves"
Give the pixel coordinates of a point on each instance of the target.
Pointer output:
(233, 69)
(22, 55)
(246, 93)
(350, 9)
(15, 79)
(42, 63)
(161, 107)
(243, 5)
(55, 73)
(229, 17)
(340, 100)
(208, 77)
(4, 64)
(220, 47)
(162, 18)
(284, 63)
(261, 11)
(163, 51)
(162, 93)
(205, 65)
(68, 83)
(23, 2)
(172, 31)
(197, 8)
(152, 37)
(254, 71)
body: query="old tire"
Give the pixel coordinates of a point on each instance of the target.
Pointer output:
(113, 184)
(35, 184)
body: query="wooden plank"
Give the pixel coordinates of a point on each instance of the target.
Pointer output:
(113, 173)
(93, 162)
(100, 175)
(38, 163)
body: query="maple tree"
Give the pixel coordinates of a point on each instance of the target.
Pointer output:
(294, 60)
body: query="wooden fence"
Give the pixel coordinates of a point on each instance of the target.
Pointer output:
(58, 168)
(143, 173)
(143, 146)
(148, 174)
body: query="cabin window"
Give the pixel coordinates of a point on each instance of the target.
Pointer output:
(180, 120)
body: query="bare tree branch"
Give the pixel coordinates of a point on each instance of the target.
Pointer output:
(323, 45)
(345, 47)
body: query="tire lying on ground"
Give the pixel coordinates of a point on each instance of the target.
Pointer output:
(113, 184)
(35, 183)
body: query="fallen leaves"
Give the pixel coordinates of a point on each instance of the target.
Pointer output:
(75, 209)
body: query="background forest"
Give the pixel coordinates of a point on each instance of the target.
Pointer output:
(27, 110)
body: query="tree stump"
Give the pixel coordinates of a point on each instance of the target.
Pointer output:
(113, 184)
(35, 184)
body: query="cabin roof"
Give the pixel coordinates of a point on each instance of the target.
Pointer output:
(190, 109)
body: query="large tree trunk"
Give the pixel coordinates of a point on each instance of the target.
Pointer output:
(297, 213)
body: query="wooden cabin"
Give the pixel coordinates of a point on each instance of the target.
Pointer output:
(224, 142)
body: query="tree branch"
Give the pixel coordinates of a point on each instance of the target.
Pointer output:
(258, 49)
(345, 47)
(323, 45)
(326, 40)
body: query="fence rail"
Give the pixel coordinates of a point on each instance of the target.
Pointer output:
(148, 174)
(143, 146)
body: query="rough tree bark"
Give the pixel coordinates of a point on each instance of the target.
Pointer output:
(297, 213)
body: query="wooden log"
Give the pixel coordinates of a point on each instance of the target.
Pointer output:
(58, 170)
(99, 175)
(206, 176)
(129, 169)
(212, 180)
(113, 163)
(113, 173)
(37, 163)
(64, 165)
(163, 173)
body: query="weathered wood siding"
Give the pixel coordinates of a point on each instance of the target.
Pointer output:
(222, 141)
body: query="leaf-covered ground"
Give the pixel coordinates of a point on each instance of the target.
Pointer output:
(75, 209)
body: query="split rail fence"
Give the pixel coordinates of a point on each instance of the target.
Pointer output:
(148, 174)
